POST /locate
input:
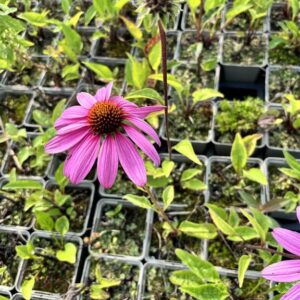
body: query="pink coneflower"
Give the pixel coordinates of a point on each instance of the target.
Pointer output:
(106, 127)
(288, 270)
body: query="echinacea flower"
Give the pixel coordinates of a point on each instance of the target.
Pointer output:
(287, 270)
(105, 127)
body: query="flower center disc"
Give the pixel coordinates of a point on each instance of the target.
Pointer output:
(105, 117)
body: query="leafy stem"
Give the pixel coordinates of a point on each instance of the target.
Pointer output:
(160, 210)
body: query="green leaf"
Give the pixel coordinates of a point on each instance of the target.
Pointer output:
(26, 251)
(41, 118)
(290, 173)
(172, 81)
(261, 232)
(68, 254)
(35, 18)
(243, 233)
(292, 162)
(24, 153)
(134, 30)
(59, 107)
(250, 142)
(167, 167)
(193, 5)
(221, 224)
(155, 56)
(44, 220)
(256, 175)
(185, 278)
(194, 184)
(239, 155)
(73, 38)
(62, 225)
(27, 288)
(207, 291)
(140, 201)
(23, 184)
(60, 178)
(201, 231)
(249, 199)
(66, 5)
(206, 94)
(204, 270)
(186, 149)
(103, 72)
(146, 93)
(244, 263)
(189, 174)
(168, 196)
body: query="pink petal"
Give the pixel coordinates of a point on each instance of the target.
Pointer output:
(288, 239)
(143, 112)
(104, 93)
(107, 167)
(144, 126)
(74, 126)
(130, 160)
(74, 112)
(298, 213)
(86, 100)
(123, 102)
(293, 293)
(61, 122)
(139, 139)
(284, 271)
(61, 143)
(82, 158)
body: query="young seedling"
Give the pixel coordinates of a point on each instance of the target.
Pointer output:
(200, 279)
(43, 258)
(284, 45)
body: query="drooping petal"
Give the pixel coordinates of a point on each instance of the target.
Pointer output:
(74, 112)
(61, 143)
(74, 126)
(141, 141)
(82, 159)
(107, 167)
(104, 93)
(288, 239)
(298, 213)
(293, 293)
(143, 112)
(130, 160)
(284, 271)
(86, 100)
(144, 126)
